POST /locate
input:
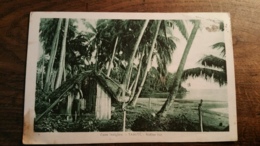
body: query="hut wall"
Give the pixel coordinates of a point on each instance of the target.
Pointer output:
(69, 107)
(89, 90)
(103, 104)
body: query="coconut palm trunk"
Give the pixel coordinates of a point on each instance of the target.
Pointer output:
(175, 87)
(112, 59)
(130, 63)
(63, 54)
(42, 70)
(132, 85)
(134, 101)
(52, 57)
(135, 82)
(129, 78)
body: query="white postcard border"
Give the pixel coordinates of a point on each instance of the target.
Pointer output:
(31, 137)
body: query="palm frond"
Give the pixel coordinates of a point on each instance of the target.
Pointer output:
(163, 28)
(166, 44)
(218, 76)
(180, 24)
(213, 61)
(90, 26)
(220, 45)
(194, 21)
(173, 38)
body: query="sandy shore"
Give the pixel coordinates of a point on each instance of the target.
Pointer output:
(214, 112)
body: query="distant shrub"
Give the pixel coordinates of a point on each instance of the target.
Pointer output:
(147, 122)
(88, 124)
(114, 124)
(110, 125)
(181, 123)
(41, 107)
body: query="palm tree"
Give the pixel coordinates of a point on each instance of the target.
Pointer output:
(131, 59)
(133, 86)
(213, 67)
(50, 32)
(164, 49)
(175, 87)
(108, 39)
(158, 23)
(129, 68)
(112, 59)
(41, 70)
(62, 55)
(53, 51)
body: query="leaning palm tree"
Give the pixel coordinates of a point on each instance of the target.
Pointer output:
(177, 80)
(131, 59)
(158, 23)
(164, 48)
(213, 67)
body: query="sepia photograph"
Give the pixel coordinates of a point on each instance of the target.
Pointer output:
(129, 77)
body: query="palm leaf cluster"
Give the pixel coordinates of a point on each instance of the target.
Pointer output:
(220, 45)
(108, 31)
(213, 62)
(218, 76)
(214, 67)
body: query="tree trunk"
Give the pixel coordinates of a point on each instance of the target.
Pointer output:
(137, 76)
(69, 106)
(112, 59)
(96, 57)
(200, 115)
(42, 70)
(64, 73)
(131, 86)
(133, 103)
(129, 78)
(53, 79)
(124, 120)
(52, 56)
(175, 87)
(125, 79)
(63, 54)
(150, 102)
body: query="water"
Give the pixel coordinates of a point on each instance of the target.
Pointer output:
(205, 94)
(220, 110)
(214, 96)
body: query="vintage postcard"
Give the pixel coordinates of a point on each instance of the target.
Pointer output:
(129, 77)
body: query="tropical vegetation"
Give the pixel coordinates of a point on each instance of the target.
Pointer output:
(91, 73)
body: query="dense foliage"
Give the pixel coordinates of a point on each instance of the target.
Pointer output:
(133, 55)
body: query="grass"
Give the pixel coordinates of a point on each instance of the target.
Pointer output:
(183, 116)
(188, 110)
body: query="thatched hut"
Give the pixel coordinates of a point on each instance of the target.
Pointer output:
(98, 90)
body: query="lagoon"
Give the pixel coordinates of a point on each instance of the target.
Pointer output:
(205, 94)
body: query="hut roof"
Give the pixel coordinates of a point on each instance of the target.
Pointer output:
(106, 83)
